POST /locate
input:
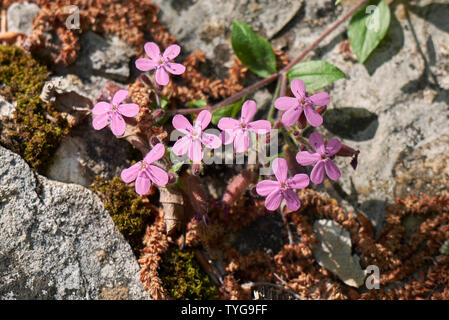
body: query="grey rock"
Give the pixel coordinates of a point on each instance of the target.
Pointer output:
(6, 108)
(87, 153)
(107, 58)
(58, 242)
(206, 24)
(20, 17)
(394, 108)
(333, 252)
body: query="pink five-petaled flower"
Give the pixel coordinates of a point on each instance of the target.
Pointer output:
(321, 159)
(160, 62)
(294, 107)
(194, 136)
(144, 172)
(238, 131)
(282, 188)
(107, 113)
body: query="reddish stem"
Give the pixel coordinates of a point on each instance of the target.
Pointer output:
(282, 73)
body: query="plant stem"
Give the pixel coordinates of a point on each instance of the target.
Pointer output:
(261, 83)
(275, 96)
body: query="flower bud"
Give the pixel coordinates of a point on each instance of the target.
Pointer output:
(146, 80)
(157, 114)
(321, 110)
(154, 141)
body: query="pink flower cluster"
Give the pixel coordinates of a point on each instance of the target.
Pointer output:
(300, 106)
(236, 132)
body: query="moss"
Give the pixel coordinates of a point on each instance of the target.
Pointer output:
(126, 209)
(30, 132)
(183, 278)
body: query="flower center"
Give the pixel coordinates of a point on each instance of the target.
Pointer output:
(196, 133)
(243, 125)
(284, 185)
(143, 165)
(161, 62)
(114, 108)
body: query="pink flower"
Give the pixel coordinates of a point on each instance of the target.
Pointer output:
(112, 114)
(144, 172)
(294, 107)
(194, 136)
(238, 131)
(162, 63)
(282, 188)
(321, 159)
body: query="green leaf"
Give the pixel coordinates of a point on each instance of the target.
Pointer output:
(315, 74)
(177, 166)
(228, 111)
(254, 51)
(197, 103)
(367, 28)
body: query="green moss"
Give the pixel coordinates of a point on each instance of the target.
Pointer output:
(183, 278)
(30, 133)
(126, 209)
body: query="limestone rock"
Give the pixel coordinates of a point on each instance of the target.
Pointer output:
(107, 58)
(333, 252)
(58, 242)
(20, 17)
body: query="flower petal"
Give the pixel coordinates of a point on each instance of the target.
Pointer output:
(118, 125)
(306, 158)
(152, 50)
(265, 187)
(101, 107)
(182, 146)
(157, 175)
(210, 140)
(333, 147)
(162, 77)
(291, 116)
(155, 154)
(298, 88)
(241, 141)
(228, 123)
(260, 126)
(182, 124)
(317, 174)
(203, 119)
(332, 170)
(227, 136)
(291, 200)
(249, 109)
(175, 68)
(320, 99)
(128, 109)
(119, 96)
(299, 181)
(196, 151)
(100, 121)
(273, 201)
(313, 117)
(172, 52)
(316, 142)
(285, 103)
(143, 183)
(144, 64)
(130, 174)
(280, 169)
